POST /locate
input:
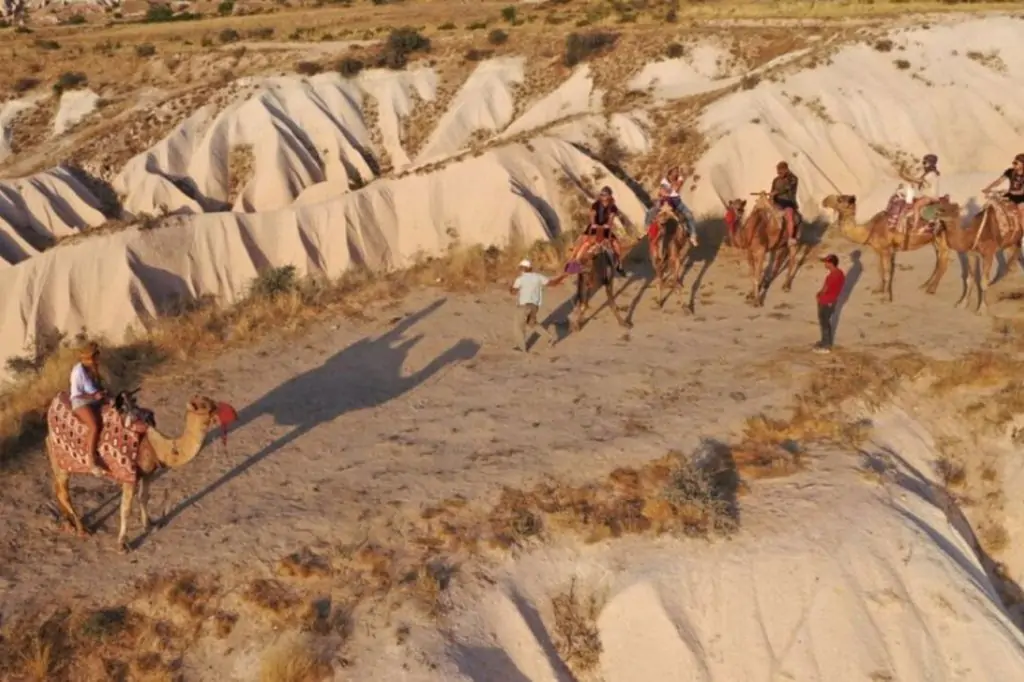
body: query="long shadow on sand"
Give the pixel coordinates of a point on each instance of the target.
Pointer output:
(366, 374)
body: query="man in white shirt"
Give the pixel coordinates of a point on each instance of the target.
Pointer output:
(530, 286)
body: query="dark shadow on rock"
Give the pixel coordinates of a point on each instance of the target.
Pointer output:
(1007, 592)
(487, 664)
(533, 621)
(168, 293)
(549, 215)
(364, 375)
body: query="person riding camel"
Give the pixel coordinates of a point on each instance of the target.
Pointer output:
(783, 195)
(921, 192)
(1015, 193)
(602, 213)
(669, 191)
(86, 395)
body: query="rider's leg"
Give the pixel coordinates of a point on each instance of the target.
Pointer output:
(616, 247)
(790, 225)
(87, 415)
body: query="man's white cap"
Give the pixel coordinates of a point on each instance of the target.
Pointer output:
(525, 263)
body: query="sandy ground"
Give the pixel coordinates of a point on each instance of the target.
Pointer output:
(353, 422)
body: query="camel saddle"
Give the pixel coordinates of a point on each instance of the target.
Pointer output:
(898, 214)
(120, 438)
(1007, 217)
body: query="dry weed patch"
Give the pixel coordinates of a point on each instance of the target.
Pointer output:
(576, 635)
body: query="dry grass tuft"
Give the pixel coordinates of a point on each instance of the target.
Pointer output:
(293, 659)
(304, 564)
(576, 635)
(672, 494)
(272, 596)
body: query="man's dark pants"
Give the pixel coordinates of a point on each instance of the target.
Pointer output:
(825, 314)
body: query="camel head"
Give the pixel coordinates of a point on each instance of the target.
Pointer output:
(734, 210)
(200, 414)
(840, 202)
(665, 213)
(206, 411)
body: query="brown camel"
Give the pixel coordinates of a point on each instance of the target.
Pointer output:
(131, 452)
(598, 271)
(886, 241)
(761, 234)
(667, 246)
(995, 228)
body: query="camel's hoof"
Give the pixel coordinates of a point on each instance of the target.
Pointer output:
(123, 547)
(787, 288)
(626, 325)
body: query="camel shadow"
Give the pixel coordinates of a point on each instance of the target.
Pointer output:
(364, 375)
(853, 276)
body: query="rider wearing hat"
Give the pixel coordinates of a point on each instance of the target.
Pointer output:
(602, 213)
(86, 396)
(922, 191)
(1015, 193)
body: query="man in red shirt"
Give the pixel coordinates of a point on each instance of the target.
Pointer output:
(827, 298)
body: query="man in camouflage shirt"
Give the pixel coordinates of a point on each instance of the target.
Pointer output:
(783, 195)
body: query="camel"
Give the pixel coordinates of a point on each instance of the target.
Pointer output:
(762, 233)
(598, 270)
(668, 245)
(995, 228)
(132, 452)
(886, 241)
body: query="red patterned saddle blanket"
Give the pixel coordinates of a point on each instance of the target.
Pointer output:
(119, 442)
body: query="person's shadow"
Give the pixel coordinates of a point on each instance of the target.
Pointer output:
(853, 276)
(365, 374)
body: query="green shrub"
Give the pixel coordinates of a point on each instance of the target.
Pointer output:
(582, 46)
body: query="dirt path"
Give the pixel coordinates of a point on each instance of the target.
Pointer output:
(354, 423)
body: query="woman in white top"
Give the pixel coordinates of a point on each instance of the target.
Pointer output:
(925, 189)
(669, 191)
(86, 395)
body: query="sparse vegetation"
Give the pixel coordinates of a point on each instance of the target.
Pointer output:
(308, 68)
(576, 636)
(69, 80)
(674, 51)
(884, 45)
(497, 37)
(349, 67)
(145, 50)
(401, 43)
(582, 46)
(901, 64)
(228, 35)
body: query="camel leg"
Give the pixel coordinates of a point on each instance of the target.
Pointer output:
(941, 263)
(127, 495)
(143, 495)
(792, 259)
(659, 276)
(968, 283)
(984, 273)
(882, 254)
(754, 283)
(62, 491)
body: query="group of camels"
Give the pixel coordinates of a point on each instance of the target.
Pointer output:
(761, 236)
(134, 452)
